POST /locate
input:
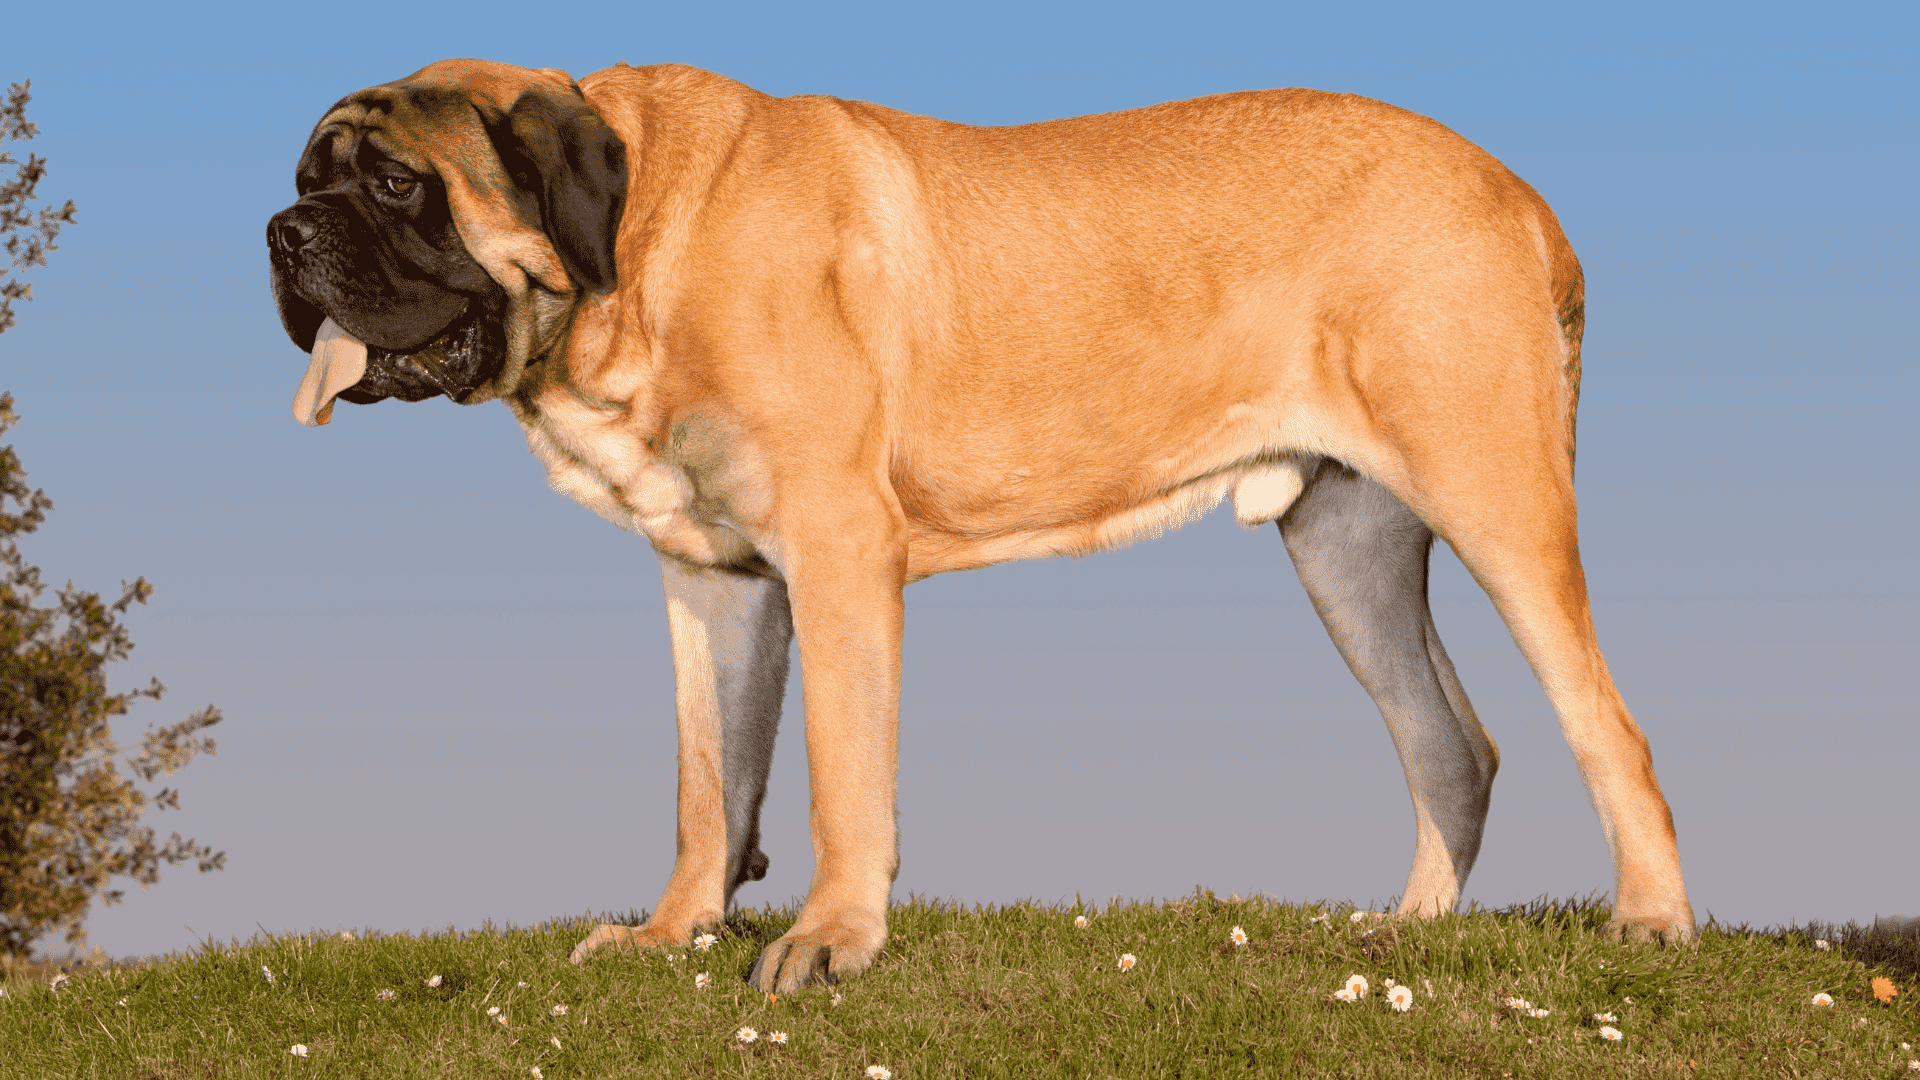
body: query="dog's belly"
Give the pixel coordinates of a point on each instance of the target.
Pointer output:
(703, 501)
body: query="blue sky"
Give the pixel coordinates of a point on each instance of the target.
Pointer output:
(448, 690)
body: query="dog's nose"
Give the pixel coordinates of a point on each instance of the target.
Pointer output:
(289, 231)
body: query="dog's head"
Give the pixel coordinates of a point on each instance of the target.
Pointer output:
(448, 225)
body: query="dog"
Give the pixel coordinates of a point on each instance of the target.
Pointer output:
(814, 350)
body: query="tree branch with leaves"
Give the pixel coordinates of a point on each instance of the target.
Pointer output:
(70, 820)
(29, 236)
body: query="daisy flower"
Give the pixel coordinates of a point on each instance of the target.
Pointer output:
(1358, 916)
(1605, 1018)
(1401, 998)
(1344, 994)
(837, 999)
(1429, 983)
(704, 942)
(1539, 1014)
(1611, 1034)
(1823, 946)
(493, 1010)
(501, 1020)
(346, 935)
(433, 983)
(1389, 984)
(1237, 936)
(1823, 1000)
(1127, 960)
(1520, 1004)
(1358, 984)
(777, 1038)
(557, 1010)
(537, 1074)
(1913, 1066)
(122, 1002)
(268, 973)
(1318, 918)
(384, 995)
(298, 1049)
(57, 981)
(702, 981)
(555, 1041)
(523, 986)
(879, 1072)
(747, 1035)
(1079, 922)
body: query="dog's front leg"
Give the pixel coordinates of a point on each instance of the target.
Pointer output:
(845, 574)
(731, 633)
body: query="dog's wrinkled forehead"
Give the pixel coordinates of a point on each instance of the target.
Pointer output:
(435, 119)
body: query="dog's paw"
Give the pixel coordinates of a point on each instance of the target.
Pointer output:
(825, 954)
(621, 938)
(1660, 929)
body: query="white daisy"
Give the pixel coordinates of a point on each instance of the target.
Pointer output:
(1318, 918)
(522, 986)
(1429, 983)
(1539, 1014)
(837, 999)
(555, 1041)
(298, 1049)
(1611, 1034)
(1344, 994)
(1401, 998)
(433, 983)
(1823, 1000)
(501, 1020)
(558, 1010)
(1358, 916)
(702, 981)
(1358, 984)
(1127, 960)
(704, 942)
(1079, 922)
(1519, 1004)
(879, 1072)
(777, 1038)
(1237, 936)
(1823, 946)
(537, 1074)
(747, 1035)
(493, 1010)
(384, 995)
(346, 935)
(1605, 1018)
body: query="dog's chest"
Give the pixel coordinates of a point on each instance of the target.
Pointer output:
(603, 459)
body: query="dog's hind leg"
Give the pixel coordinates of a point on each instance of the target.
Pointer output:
(1362, 556)
(731, 633)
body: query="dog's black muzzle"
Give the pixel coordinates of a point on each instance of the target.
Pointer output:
(431, 318)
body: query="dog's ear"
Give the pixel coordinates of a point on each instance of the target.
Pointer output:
(556, 148)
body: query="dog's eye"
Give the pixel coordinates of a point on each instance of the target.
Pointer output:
(400, 186)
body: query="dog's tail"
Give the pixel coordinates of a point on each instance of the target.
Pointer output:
(1570, 307)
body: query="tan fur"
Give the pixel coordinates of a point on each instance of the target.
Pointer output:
(853, 347)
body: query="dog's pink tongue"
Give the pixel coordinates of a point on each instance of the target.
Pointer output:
(339, 361)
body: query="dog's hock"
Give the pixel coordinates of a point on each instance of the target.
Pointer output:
(1266, 492)
(339, 360)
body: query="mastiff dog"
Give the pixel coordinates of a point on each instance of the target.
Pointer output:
(816, 349)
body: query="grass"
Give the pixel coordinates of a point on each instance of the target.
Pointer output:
(1014, 991)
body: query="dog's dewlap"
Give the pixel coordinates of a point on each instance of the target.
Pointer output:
(339, 360)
